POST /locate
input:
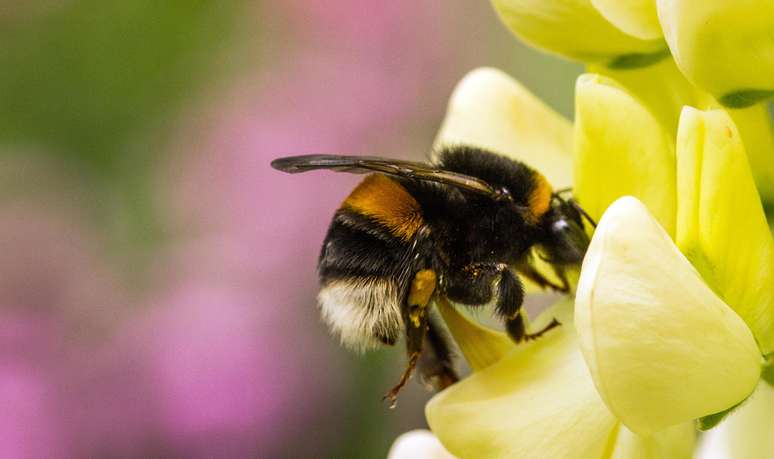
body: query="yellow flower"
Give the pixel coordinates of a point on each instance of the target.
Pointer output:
(519, 402)
(576, 30)
(666, 332)
(726, 48)
(673, 321)
(724, 51)
(535, 401)
(696, 330)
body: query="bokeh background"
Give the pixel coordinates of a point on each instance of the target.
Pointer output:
(157, 277)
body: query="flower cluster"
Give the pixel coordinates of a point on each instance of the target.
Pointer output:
(671, 150)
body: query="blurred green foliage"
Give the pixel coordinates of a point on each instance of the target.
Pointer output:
(95, 84)
(85, 77)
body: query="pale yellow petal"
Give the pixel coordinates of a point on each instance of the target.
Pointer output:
(754, 124)
(481, 346)
(635, 17)
(725, 47)
(489, 109)
(747, 433)
(576, 30)
(621, 149)
(662, 89)
(661, 346)
(721, 226)
(537, 402)
(676, 442)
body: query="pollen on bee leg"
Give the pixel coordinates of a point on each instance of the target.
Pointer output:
(422, 288)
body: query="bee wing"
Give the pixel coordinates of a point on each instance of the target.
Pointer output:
(366, 164)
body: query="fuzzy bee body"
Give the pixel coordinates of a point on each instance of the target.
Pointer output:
(460, 228)
(366, 262)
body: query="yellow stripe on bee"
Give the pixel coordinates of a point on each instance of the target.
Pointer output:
(540, 198)
(384, 200)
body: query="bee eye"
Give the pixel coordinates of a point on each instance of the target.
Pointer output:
(560, 226)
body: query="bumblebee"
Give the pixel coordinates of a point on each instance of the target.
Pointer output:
(461, 227)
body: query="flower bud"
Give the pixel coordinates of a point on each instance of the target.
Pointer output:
(721, 226)
(576, 30)
(724, 47)
(635, 17)
(621, 149)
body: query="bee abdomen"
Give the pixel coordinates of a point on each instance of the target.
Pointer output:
(363, 271)
(362, 312)
(361, 286)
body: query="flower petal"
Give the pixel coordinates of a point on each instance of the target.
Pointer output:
(721, 226)
(490, 109)
(576, 30)
(724, 47)
(747, 433)
(675, 442)
(418, 444)
(661, 88)
(621, 149)
(635, 17)
(537, 402)
(754, 126)
(661, 346)
(480, 345)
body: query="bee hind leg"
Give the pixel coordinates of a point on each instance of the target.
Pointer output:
(392, 394)
(436, 366)
(416, 320)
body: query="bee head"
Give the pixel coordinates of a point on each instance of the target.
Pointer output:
(563, 239)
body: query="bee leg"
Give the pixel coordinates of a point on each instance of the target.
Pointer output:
(415, 317)
(537, 277)
(517, 331)
(560, 273)
(392, 394)
(509, 301)
(435, 363)
(474, 286)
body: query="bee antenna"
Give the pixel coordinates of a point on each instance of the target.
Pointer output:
(580, 210)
